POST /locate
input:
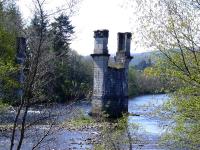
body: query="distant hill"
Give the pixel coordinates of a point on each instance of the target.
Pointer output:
(143, 60)
(139, 57)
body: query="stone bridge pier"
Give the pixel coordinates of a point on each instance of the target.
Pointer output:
(20, 60)
(110, 83)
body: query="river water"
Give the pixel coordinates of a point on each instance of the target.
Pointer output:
(151, 126)
(141, 109)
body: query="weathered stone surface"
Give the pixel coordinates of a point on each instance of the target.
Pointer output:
(20, 58)
(101, 33)
(101, 42)
(21, 47)
(110, 86)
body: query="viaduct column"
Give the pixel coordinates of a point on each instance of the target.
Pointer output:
(123, 57)
(100, 59)
(20, 58)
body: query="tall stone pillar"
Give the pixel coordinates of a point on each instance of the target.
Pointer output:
(123, 47)
(100, 59)
(20, 58)
(123, 57)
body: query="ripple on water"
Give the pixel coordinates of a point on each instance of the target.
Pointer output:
(142, 106)
(149, 126)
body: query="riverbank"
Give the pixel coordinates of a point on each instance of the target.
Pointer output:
(74, 129)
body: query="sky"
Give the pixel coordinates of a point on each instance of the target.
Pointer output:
(91, 15)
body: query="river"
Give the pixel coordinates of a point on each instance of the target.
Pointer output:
(141, 109)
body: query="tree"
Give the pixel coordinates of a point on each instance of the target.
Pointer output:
(72, 72)
(39, 73)
(62, 31)
(74, 78)
(140, 82)
(9, 29)
(172, 27)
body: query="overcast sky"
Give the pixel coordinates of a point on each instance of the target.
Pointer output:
(92, 15)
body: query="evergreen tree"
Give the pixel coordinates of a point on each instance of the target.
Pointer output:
(9, 20)
(62, 30)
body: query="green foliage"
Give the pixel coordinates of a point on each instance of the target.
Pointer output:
(3, 106)
(72, 73)
(80, 121)
(172, 27)
(10, 28)
(144, 82)
(185, 103)
(38, 26)
(133, 85)
(74, 78)
(62, 31)
(185, 133)
(7, 53)
(116, 135)
(67, 75)
(7, 44)
(144, 64)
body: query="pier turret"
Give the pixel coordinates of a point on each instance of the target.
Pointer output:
(100, 59)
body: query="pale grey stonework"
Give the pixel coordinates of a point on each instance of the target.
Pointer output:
(110, 85)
